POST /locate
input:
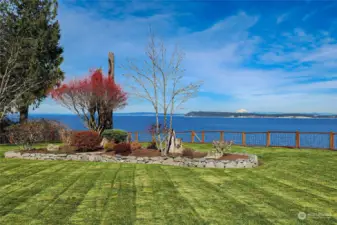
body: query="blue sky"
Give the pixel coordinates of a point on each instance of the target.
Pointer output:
(268, 56)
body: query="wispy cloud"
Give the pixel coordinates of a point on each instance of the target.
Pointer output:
(321, 10)
(254, 72)
(282, 18)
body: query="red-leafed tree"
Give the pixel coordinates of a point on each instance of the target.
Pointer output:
(98, 91)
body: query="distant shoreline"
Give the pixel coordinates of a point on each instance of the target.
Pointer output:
(260, 115)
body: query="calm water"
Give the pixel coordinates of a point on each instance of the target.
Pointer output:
(181, 123)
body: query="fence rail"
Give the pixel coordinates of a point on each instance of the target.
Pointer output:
(295, 139)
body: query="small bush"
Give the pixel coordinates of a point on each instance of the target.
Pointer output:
(188, 152)
(135, 146)
(152, 145)
(5, 123)
(122, 149)
(118, 136)
(85, 140)
(26, 134)
(222, 147)
(52, 130)
(109, 146)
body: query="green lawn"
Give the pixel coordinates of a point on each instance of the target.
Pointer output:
(65, 192)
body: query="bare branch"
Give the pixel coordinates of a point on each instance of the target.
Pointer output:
(161, 83)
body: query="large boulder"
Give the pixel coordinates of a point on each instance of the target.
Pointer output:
(104, 141)
(53, 148)
(176, 146)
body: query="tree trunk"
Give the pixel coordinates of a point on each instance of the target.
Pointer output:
(111, 73)
(106, 115)
(92, 112)
(109, 120)
(23, 114)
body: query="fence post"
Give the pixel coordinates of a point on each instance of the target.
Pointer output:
(243, 139)
(192, 136)
(332, 141)
(203, 136)
(222, 136)
(136, 136)
(129, 136)
(297, 139)
(268, 139)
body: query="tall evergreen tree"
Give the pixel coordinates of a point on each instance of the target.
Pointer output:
(35, 21)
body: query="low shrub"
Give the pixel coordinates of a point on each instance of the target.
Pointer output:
(109, 146)
(53, 130)
(5, 123)
(85, 140)
(135, 146)
(152, 145)
(188, 152)
(221, 147)
(118, 136)
(122, 149)
(26, 134)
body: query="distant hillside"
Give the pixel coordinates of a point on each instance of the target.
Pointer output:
(257, 115)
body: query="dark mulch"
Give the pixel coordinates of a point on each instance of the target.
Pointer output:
(199, 154)
(232, 157)
(146, 153)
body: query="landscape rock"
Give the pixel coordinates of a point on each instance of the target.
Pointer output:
(251, 162)
(53, 148)
(12, 154)
(104, 141)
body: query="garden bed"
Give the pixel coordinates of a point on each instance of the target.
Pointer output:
(237, 160)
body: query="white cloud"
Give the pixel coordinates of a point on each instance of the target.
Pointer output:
(216, 55)
(282, 18)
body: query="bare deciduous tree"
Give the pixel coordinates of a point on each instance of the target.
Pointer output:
(12, 86)
(80, 96)
(160, 82)
(12, 47)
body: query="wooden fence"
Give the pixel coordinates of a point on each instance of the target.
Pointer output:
(296, 139)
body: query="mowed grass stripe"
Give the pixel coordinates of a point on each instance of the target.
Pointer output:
(93, 206)
(171, 206)
(27, 210)
(214, 202)
(121, 207)
(305, 193)
(322, 171)
(245, 194)
(144, 199)
(285, 198)
(18, 173)
(61, 209)
(253, 187)
(8, 164)
(318, 178)
(302, 182)
(29, 180)
(29, 187)
(304, 198)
